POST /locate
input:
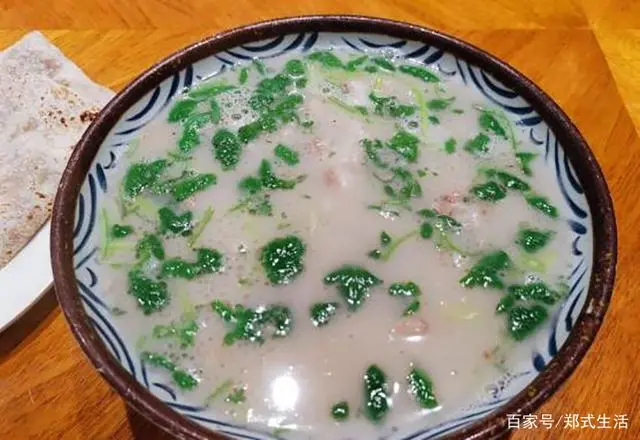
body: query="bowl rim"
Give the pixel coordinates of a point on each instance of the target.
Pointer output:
(584, 163)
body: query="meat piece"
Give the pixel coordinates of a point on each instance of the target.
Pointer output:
(446, 203)
(331, 179)
(410, 328)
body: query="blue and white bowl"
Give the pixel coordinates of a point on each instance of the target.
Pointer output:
(88, 179)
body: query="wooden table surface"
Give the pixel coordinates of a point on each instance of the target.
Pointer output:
(584, 53)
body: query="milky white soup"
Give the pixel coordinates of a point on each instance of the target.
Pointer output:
(331, 246)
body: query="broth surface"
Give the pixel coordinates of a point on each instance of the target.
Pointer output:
(338, 208)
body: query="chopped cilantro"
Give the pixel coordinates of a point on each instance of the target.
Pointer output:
(249, 324)
(405, 144)
(182, 109)
(353, 284)
(208, 261)
(141, 176)
(149, 246)
(184, 332)
(352, 64)
(508, 180)
(419, 72)
(439, 104)
(182, 378)
(287, 154)
(237, 396)
(340, 411)
(150, 295)
(376, 394)
(209, 90)
(227, 149)
(259, 65)
(490, 123)
(282, 259)
(121, 231)
(185, 187)
(523, 321)
(408, 288)
(542, 204)
(489, 191)
(450, 146)
(179, 224)
(327, 59)
(383, 63)
(421, 387)
(412, 308)
(389, 106)
(321, 313)
(426, 230)
(294, 68)
(524, 159)
(477, 145)
(486, 272)
(190, 137)
(243, 76)
(532, 240)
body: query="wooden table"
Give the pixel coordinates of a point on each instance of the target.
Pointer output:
(585, 53)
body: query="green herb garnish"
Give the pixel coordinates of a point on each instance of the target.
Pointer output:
(376, 394)
(531, 240)
(537, 292)
(489, 191)
(406, 289)
(405, 144)
(208, 261)
(477, 145)
(121, 231)
(490, 123)
(523, 321)
(248, 324)
(321, 313)
(184, 332)
(141, 176)
(450, 146)
(384, 64)
(237, 396)
(487, 271)
(149, 246)
(542, 204)
(412, 308)
(282, 259)
(182, 378)
(243, 76)
(287, 154)
(439, 104)
(524, 159)
(353, 284)
(389, 106)
(508, 180)
(227, 149)
(200, 226)
(179, 224)
(150, 295)
(421, 387)
(209, 90)
(340, 411)
(419, 72)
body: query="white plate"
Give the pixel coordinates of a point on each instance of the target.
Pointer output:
(26, 278)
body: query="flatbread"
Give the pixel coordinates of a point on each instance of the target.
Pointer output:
(46, 103)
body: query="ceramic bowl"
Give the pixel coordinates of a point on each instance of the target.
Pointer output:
(528, 382)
